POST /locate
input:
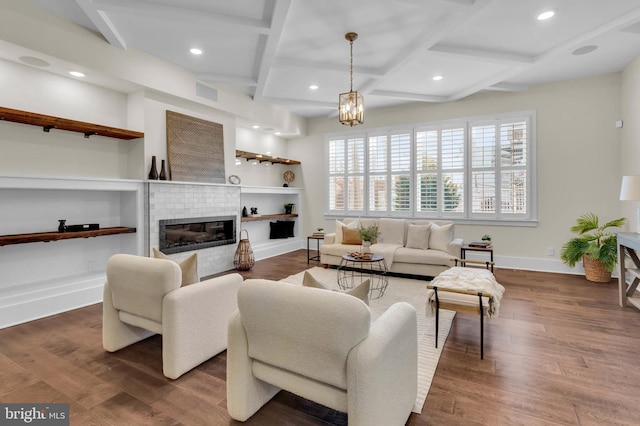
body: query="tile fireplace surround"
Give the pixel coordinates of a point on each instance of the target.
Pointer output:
(177, 200)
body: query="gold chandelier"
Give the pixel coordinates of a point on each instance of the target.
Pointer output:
(351, 104)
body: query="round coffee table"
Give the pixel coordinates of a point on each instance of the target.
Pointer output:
(354, 270)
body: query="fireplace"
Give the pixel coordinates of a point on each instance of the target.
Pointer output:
(178, 235)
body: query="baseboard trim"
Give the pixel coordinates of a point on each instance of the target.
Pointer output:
(39, 300)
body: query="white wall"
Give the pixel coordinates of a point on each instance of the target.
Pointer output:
(630, 153)
(578, 161)
(27, 150)
(265, 174)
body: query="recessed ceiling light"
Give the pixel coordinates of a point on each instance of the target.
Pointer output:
(437, 77)
(196, 51)
(277, 133)
(584, 50)
(76, 73)
(255, 126)
(313, 86)
(547, 14)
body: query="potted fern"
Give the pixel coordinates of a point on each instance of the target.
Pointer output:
(596, 247)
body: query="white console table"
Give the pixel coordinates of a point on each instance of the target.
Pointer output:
(628, 244)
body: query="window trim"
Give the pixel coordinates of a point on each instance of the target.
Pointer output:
(499, 218)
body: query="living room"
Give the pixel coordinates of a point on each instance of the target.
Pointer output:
(581, 155)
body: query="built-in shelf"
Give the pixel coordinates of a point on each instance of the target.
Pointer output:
(264, 158)
(48, 122)
(6, 240)
(268, 217)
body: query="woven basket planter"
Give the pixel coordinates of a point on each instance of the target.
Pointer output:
(594, 270)
(244, 260)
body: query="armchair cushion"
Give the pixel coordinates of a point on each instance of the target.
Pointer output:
(141, 294)
(361, 291)
(188, 266)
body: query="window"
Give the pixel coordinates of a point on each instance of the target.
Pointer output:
(472, 168)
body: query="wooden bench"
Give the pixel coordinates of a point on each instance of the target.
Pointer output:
(464, 301)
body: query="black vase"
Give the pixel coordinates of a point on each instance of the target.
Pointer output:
(163, 174)
(153, 174)
(62, 227)
(244, 212)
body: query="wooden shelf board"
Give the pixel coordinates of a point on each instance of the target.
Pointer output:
(6, 240)
(267, 217)
(268, 158)
(48, 122)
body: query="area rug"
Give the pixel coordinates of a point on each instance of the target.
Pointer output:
(413, 292)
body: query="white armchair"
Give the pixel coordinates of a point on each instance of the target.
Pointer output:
(321, 345)
(142, 297)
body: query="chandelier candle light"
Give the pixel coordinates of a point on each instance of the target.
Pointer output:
(351, 104)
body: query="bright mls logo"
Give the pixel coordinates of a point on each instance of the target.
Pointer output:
(34, 414)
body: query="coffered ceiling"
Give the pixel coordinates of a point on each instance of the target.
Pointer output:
(273, 50)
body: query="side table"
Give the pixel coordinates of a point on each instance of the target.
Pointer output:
(317, 256)
(352, 271)
(467, 247)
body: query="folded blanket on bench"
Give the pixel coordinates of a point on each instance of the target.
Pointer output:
(472, 279)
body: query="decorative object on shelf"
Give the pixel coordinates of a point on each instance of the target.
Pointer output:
(630, 191)
(163, 173)
(62, 227)
(480, 244)
(351, 104)
(289, 176)
(486, 237)
(153, 173)
(598, 250)
(196, 149)
(234, 180)
(244, 212)
(254, 211)
(243, 259)
(288, 208)
(83, 227)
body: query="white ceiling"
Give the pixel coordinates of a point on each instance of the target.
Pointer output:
(274, 49)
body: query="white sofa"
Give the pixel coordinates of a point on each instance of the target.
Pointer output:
(321, 345)
(413, 247)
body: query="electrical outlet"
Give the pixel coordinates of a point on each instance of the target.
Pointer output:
(550, 251)
(91, 265)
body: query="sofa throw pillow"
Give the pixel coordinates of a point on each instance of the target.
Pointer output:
(440, 236)
(188, 266)
(339, 226)
(391, 231)
(418, 236)
(361, 291)
(351, 236)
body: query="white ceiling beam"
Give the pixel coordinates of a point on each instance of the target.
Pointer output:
(302, 102)
(325, 66)
(426, 40)
(100, 19)
(508, 87)
(267, 46)
(485, 55)
(195, 16)
(512, 71)
(409, 96)
(225, 78)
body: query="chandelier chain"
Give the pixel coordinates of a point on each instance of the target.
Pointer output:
(351, 66)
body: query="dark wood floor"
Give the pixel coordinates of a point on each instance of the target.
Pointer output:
(562, 352)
